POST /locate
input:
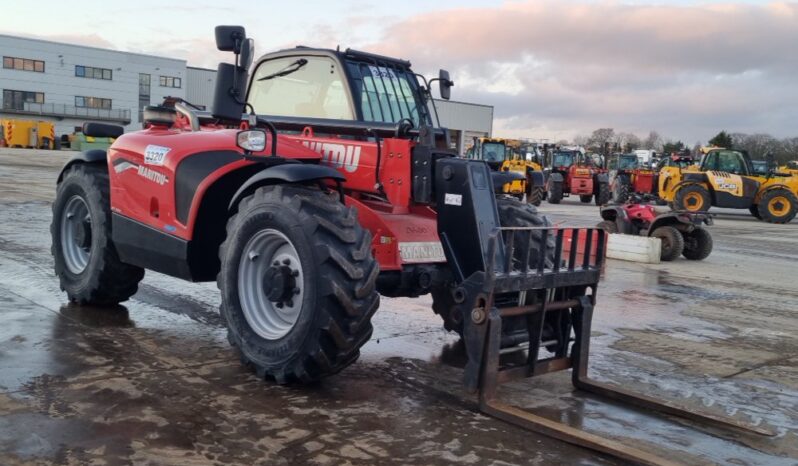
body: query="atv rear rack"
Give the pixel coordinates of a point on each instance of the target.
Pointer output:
(564, 285)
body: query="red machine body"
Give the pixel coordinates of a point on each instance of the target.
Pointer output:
(579, 180)
(144, 190)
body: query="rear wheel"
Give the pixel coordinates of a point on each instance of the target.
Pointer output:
(672, 242)
(86, 261)
(603, 194)
(693, 198)
(511, 214)
(608, 225)
(586, 198)
(536, 195)
(697, 244)
(620, 190)
(298, 283)
(555, 192)
(778, 206)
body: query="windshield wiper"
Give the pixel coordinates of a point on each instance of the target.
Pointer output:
(293, 67)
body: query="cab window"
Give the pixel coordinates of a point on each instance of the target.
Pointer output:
(727, 161)
(315, 89)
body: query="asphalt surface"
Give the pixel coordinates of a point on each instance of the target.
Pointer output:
(155, 382)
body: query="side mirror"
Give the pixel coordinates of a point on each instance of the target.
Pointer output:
(230, 38)
(445, 84)
(247, 54)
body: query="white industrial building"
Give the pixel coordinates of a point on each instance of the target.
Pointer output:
(70, 84)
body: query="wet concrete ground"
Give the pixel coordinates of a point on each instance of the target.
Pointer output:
(155, 382)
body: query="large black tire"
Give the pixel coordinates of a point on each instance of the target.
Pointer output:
(337, 283)
(555, 192)
(535, 195)
(693, 198)
(86, 239)
(511, 214)
(585, 198)
(621, 189)
(778, 205)
(697, 244)
(602, 194)
(608, 225)
(754, 209)
(672, 242)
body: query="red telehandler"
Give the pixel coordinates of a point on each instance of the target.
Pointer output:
(573, 172)
(310, 189)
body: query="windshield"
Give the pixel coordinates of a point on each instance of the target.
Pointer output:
(627, 162)
(386, 92)
(759, 166)
(563, 159)
(493, 152)
(315, 89)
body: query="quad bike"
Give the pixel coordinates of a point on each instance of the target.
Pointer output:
(681, 233)
(572, 172)
(310, 206)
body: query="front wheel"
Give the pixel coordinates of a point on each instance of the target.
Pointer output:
(603, 194)
(298, 283)
(672, 242)
(555, 192)
(778, 206)
(608, 225)
(692, 198)
(86, 261)
(697, 244)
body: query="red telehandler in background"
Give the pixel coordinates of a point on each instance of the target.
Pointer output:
(572, 172)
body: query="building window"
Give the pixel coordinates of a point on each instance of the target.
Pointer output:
(23, 64)
(16, 100)
(169, 81)
(92, 72)
(144, 93)
(92, 102)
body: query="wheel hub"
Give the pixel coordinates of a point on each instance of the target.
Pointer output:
(279, 283)
(270, 284)
(83, 234)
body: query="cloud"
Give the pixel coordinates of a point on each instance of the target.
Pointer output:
(687, 71)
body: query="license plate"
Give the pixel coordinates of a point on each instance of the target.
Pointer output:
(421, 251)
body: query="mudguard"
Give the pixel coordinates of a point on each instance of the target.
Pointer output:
(502, 178)
(536, 178)
(286, 173)
(618, 215)
(556, 178)
(602, 178)
(89, 156)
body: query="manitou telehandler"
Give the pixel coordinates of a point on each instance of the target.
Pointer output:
(313, 186)
(572, 172)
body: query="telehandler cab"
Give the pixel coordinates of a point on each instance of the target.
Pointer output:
(334, 187)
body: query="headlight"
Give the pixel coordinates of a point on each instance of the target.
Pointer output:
(251, 140)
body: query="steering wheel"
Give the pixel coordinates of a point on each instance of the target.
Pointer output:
(404, 126)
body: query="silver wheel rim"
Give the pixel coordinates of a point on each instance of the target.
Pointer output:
(76, 234)
(269, 254)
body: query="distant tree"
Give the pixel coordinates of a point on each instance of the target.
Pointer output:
(653, 141)
(722, 139)
(581, 140)
(631, 142)
(671, 146)
(600, 137)
(563, 142)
